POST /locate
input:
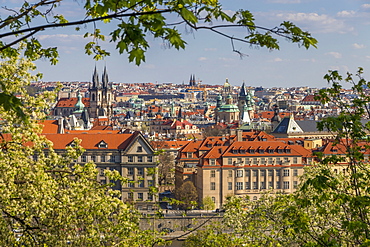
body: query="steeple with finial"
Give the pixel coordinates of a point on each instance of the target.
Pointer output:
(95, 79)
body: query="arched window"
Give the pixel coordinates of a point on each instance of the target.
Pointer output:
(93, 97)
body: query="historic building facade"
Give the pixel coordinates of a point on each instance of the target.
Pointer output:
(128, 153)
(243, 164)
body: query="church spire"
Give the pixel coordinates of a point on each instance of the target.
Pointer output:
(95, 79)
(105, 78)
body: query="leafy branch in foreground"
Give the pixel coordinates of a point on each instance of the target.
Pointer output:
(134, 20)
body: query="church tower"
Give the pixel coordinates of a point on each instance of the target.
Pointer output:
(101, 96)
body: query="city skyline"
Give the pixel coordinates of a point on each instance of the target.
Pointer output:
(339, 26)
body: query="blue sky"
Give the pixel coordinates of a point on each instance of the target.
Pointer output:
(341, 27)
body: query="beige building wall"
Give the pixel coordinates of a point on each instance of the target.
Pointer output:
(249, 179)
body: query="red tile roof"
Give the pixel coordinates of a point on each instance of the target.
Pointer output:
(71, 102)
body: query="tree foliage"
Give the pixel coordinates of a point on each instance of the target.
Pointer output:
(46, 199)
(186, 195)
(208, 204)
(166, 168)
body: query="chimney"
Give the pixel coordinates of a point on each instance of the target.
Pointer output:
(239, 135)
(60, 126)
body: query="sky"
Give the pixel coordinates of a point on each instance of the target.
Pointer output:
(342, 28)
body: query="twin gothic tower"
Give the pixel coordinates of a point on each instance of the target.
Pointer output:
(101, 96)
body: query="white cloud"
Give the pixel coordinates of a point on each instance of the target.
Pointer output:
(277, 59)
(365, 6)
(334, 54)
(346, 13)
(358, 46)
(316, 23)
(202, 59)
(61, 37)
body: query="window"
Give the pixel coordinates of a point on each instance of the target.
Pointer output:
(270, 160)
(286, 160)
(254, 198)
(255, 185)
(140, 196)
(255, 161)
(263, 185)
(93, 158)
(239, 173)
(130, 184)
(150, 183)
(212, 162)
(83, 158)
(270, 185)
(189, 155)
(295, 184)
(213, 186)
(140, 159)
(229, 185)
(286, 185)
(247, 185)
(213, 199)
(149, 159)
(239, 186)
(213, 173)
(247, 161)
(130, 171)
(130, 159)
(295, 172)
(278, 161)
(230, 173)
(150, 198)
(271, 173)
(139, 149)
(286, 172)
(295, 160)
(263, 161)
(112, 158)
(230, 161)
(263, 173)
(140, 171)
(102, 158)
(278, 185)
(141, 184)
(102, 145)
(247, 173)
(277, 173)
(131, 195)
(255, 173)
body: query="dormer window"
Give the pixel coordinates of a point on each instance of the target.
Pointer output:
(287, 151)
(139, 149)
(102, 144)
(251, 151)
(261, 151)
